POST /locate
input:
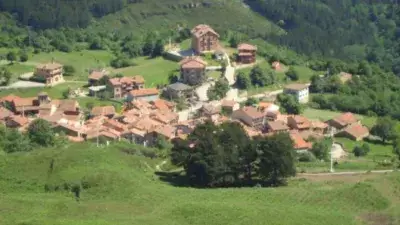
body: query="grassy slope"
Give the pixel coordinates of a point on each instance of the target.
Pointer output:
(167, 14)
(125, 191)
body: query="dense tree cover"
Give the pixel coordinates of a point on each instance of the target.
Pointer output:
(371, 91)
(292, 74)
(224, 156)
(289, 104)
(349, 29)
(321, 149)
(39, 134)
(60, 13)
(384, 128)
(242, 80)
(219, 90)
(5, 76)
(262, 77)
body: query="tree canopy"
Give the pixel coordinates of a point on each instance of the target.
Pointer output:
(223, 156)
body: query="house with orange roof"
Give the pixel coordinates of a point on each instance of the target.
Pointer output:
(356, 132)
(246, 53)
(204, 39)
(4, 113)
(319, 127)
(166, 131)
(193, 70)
(17, 122)
(342, 121)
(250, 116)
(163, 105)
(165, 117)
(147, 94)
(298, 122)
(299, 144)
(108, 111)
(121, 86)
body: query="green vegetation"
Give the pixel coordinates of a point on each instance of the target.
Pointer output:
(117, 187)
(54, 92)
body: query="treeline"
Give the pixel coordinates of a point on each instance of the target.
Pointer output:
(371, 90)
(46, 14)
(38, 134)
(224, 156)
(351, 30)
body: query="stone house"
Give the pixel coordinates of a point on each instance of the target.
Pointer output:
(95, 77)
(297, 122)
(342, 121)
(204, 39)
(148, 94)
(177, 90)
(246, 53)
(121, 86)
(193, 70)
(276, 127)
(51, 73)
(355, 132)
(250, 116)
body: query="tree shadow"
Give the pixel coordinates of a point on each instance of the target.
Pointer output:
(176, 178)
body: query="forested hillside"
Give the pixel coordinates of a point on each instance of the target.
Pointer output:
(349, 29)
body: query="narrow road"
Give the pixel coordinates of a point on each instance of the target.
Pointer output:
(346, 173)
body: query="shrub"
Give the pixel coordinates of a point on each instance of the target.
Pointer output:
(306, 157)
(360, 151)
(23, 57)
(69, 70)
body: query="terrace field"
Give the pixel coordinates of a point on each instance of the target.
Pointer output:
(121, 188)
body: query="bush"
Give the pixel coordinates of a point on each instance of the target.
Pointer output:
(360, 151)
(306, 157)
(121, 62)
(69, 70)
(23, 57)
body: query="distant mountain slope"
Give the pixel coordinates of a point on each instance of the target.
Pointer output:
(168, 14)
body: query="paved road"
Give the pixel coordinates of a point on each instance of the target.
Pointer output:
(22, 84)
(229, 71)
(347, 173)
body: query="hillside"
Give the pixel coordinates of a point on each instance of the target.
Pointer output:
(119, 188)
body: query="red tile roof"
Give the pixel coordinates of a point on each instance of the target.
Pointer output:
(10, 98)
(202, 29)
(194, 62)
(357, 131)
(97, 75)
(165, 130)
(296, 87)
(49, 66)
(346, 119)
(248, 47)
(138, 79)
(252, 112)
(162, 104)
(103, 110)
(4, 113)
(299, 142)
(21, 121)
(144, 92)
(228, 103)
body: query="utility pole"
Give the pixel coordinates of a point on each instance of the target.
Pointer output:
(331, 169)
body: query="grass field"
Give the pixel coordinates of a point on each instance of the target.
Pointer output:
(154, 71)
(123, 189)
(54, 92)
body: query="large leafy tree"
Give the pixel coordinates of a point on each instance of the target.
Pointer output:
(40, 132)
(243, 80)
(14, 141)
(276, 157)
(385, 128)
(5, 76)
(262, 77)
(289, 104)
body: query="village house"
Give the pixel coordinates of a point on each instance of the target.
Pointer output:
(246, 53)
(148, 94)
(164, 131)
(193, 70)
(276, 127)
(17, 122)
(297, 122)
(229, 106)
(300, 91)
(356, 132)
(51, 73)
(4, 113)
(165, 117)
(121, 86)
(270, 110)
(177, 90)
(204, 39)
(107, 111)
(162, 105)
(342, 121)
(299, 144)
(96, 76)
(250, 116)
(319, 127)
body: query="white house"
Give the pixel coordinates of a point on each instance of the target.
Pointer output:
(300, 91)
